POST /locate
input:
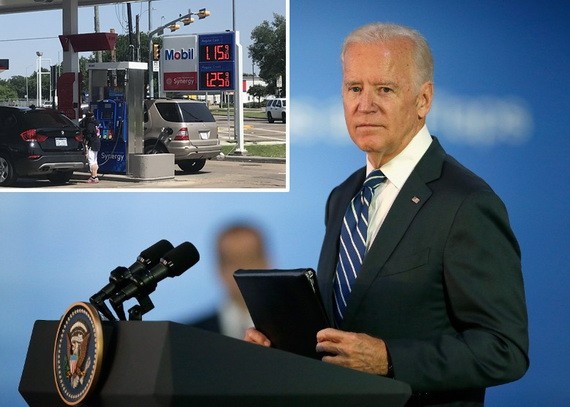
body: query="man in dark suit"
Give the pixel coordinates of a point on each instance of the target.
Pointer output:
(240, 245)
(438, 301)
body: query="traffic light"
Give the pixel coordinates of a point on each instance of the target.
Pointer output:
(174, 27)
(203, 13)
(155, 51)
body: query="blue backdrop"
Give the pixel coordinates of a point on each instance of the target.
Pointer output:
(502, 86)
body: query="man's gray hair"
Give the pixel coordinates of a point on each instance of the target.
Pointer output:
(380, 32)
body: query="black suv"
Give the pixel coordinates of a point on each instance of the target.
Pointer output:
(37, 143)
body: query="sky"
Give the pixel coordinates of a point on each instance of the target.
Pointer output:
(22, 34)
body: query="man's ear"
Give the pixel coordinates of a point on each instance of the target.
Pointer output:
(424, 99)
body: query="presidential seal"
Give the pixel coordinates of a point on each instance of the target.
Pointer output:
(78, 353)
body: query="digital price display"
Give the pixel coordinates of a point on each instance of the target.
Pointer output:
(217, 61)
(217, 52)
(216, 79)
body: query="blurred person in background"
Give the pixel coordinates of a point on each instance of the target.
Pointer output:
(239, 246)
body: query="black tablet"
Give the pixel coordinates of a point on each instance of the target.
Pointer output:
(286, 306)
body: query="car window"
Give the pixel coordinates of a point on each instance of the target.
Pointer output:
(44, 118)
(2, 119)
(11, 121)
(7, 121)
(196, 112)
(169, 112)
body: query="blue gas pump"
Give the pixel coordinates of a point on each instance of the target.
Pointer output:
(111, 115)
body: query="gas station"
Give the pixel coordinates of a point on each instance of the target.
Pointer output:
(117, 89)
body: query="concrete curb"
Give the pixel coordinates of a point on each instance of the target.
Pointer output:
(252, 159)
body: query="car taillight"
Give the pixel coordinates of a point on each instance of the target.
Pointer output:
(182, 134)
(32, 135)
(79, 137)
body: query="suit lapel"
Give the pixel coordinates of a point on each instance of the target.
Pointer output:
(414, 194)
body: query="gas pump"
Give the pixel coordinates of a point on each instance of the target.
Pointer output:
(111, 115)
(117, 94)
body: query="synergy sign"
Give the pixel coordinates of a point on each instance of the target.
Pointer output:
(198, 62)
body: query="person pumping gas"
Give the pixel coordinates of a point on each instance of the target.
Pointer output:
(90, 128)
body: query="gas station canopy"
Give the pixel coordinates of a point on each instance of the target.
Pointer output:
(89, 42)
(20, 6)
(69, 82)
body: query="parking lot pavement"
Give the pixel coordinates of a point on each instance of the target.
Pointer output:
(217, 174)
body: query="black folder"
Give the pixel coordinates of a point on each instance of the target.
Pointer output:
(286, 306)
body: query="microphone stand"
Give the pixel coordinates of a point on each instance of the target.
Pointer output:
(144, 306)
(120, 311)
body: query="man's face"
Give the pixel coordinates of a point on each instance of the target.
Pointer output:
(383, 108)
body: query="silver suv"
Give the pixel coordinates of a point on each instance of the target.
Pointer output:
(276, 109)
(194, 137)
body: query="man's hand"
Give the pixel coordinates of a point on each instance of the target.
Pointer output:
(354, 350)
(252, 335)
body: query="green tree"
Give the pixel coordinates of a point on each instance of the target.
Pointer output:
(268, 51)
(125, 52)
(6, 91)
(258, 91)
(18, 83)
(22, 85)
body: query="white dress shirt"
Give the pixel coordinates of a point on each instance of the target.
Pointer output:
(234, 320)
(397, 171)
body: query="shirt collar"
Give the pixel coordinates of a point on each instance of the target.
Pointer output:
(399, 168)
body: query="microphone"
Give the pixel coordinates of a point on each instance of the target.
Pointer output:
(120, 276)
(172, 264)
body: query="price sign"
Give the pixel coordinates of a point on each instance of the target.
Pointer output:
(217, 61)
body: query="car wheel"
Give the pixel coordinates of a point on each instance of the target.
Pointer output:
(192, 165)
(269, 117)
(60, 177)
(283, 117)
(154, 148)
(7, 174)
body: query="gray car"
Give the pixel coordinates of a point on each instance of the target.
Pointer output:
(194, 137)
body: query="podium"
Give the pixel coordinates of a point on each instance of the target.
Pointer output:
(151, 364)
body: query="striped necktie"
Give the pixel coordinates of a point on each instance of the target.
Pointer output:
(353, 242)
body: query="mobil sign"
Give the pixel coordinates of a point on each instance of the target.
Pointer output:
(179, 63)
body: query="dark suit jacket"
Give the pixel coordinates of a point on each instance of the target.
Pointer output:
(210, 322)
(441, 283)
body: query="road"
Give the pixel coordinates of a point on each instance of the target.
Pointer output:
(254, 130)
